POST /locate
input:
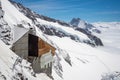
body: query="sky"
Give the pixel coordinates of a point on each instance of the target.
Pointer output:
(65, 10)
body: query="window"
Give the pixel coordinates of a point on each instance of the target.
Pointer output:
(45, 66)
(32, 45)
(48, 65)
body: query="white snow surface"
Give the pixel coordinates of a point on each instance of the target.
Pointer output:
(12, 15)
(82, 24)
(64, 28)
(87, 63)
(7, 59)
(90, 63)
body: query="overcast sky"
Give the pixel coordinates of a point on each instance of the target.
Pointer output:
(88, 10)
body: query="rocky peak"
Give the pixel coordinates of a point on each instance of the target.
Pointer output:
(77, 22)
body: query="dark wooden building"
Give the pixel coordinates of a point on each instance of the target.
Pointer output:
(38, 52)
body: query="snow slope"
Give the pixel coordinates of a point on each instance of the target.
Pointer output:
(64, 28)
(87, 63)
(7, 61)
(14, 68)
(12, 15)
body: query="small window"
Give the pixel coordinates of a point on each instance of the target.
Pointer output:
(45, 66)
(48, 65)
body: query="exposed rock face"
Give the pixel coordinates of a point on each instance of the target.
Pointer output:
(77, 22)
(5, 30)
(1, 13)
(87, 29)
(53, 31)
(111, 76)
(97, 40)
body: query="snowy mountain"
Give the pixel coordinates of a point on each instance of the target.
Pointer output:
(87, 29)
(74, 59)
(58, 28)
(78, 23)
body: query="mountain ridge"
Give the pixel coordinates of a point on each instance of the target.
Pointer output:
(94, 41)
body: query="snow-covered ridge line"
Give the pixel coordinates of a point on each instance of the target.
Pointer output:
(17, 18)
(34, 15)
(59, 28)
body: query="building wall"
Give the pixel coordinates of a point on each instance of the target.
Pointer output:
(35, 61)
(43, 63)
(46, 59)
(44, 47)
(21, 46)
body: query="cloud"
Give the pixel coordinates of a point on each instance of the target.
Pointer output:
(108, 12)
(60, 5)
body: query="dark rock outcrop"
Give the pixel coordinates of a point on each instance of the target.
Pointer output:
(97, 40)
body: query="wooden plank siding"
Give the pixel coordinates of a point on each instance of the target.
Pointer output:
(45, 47)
